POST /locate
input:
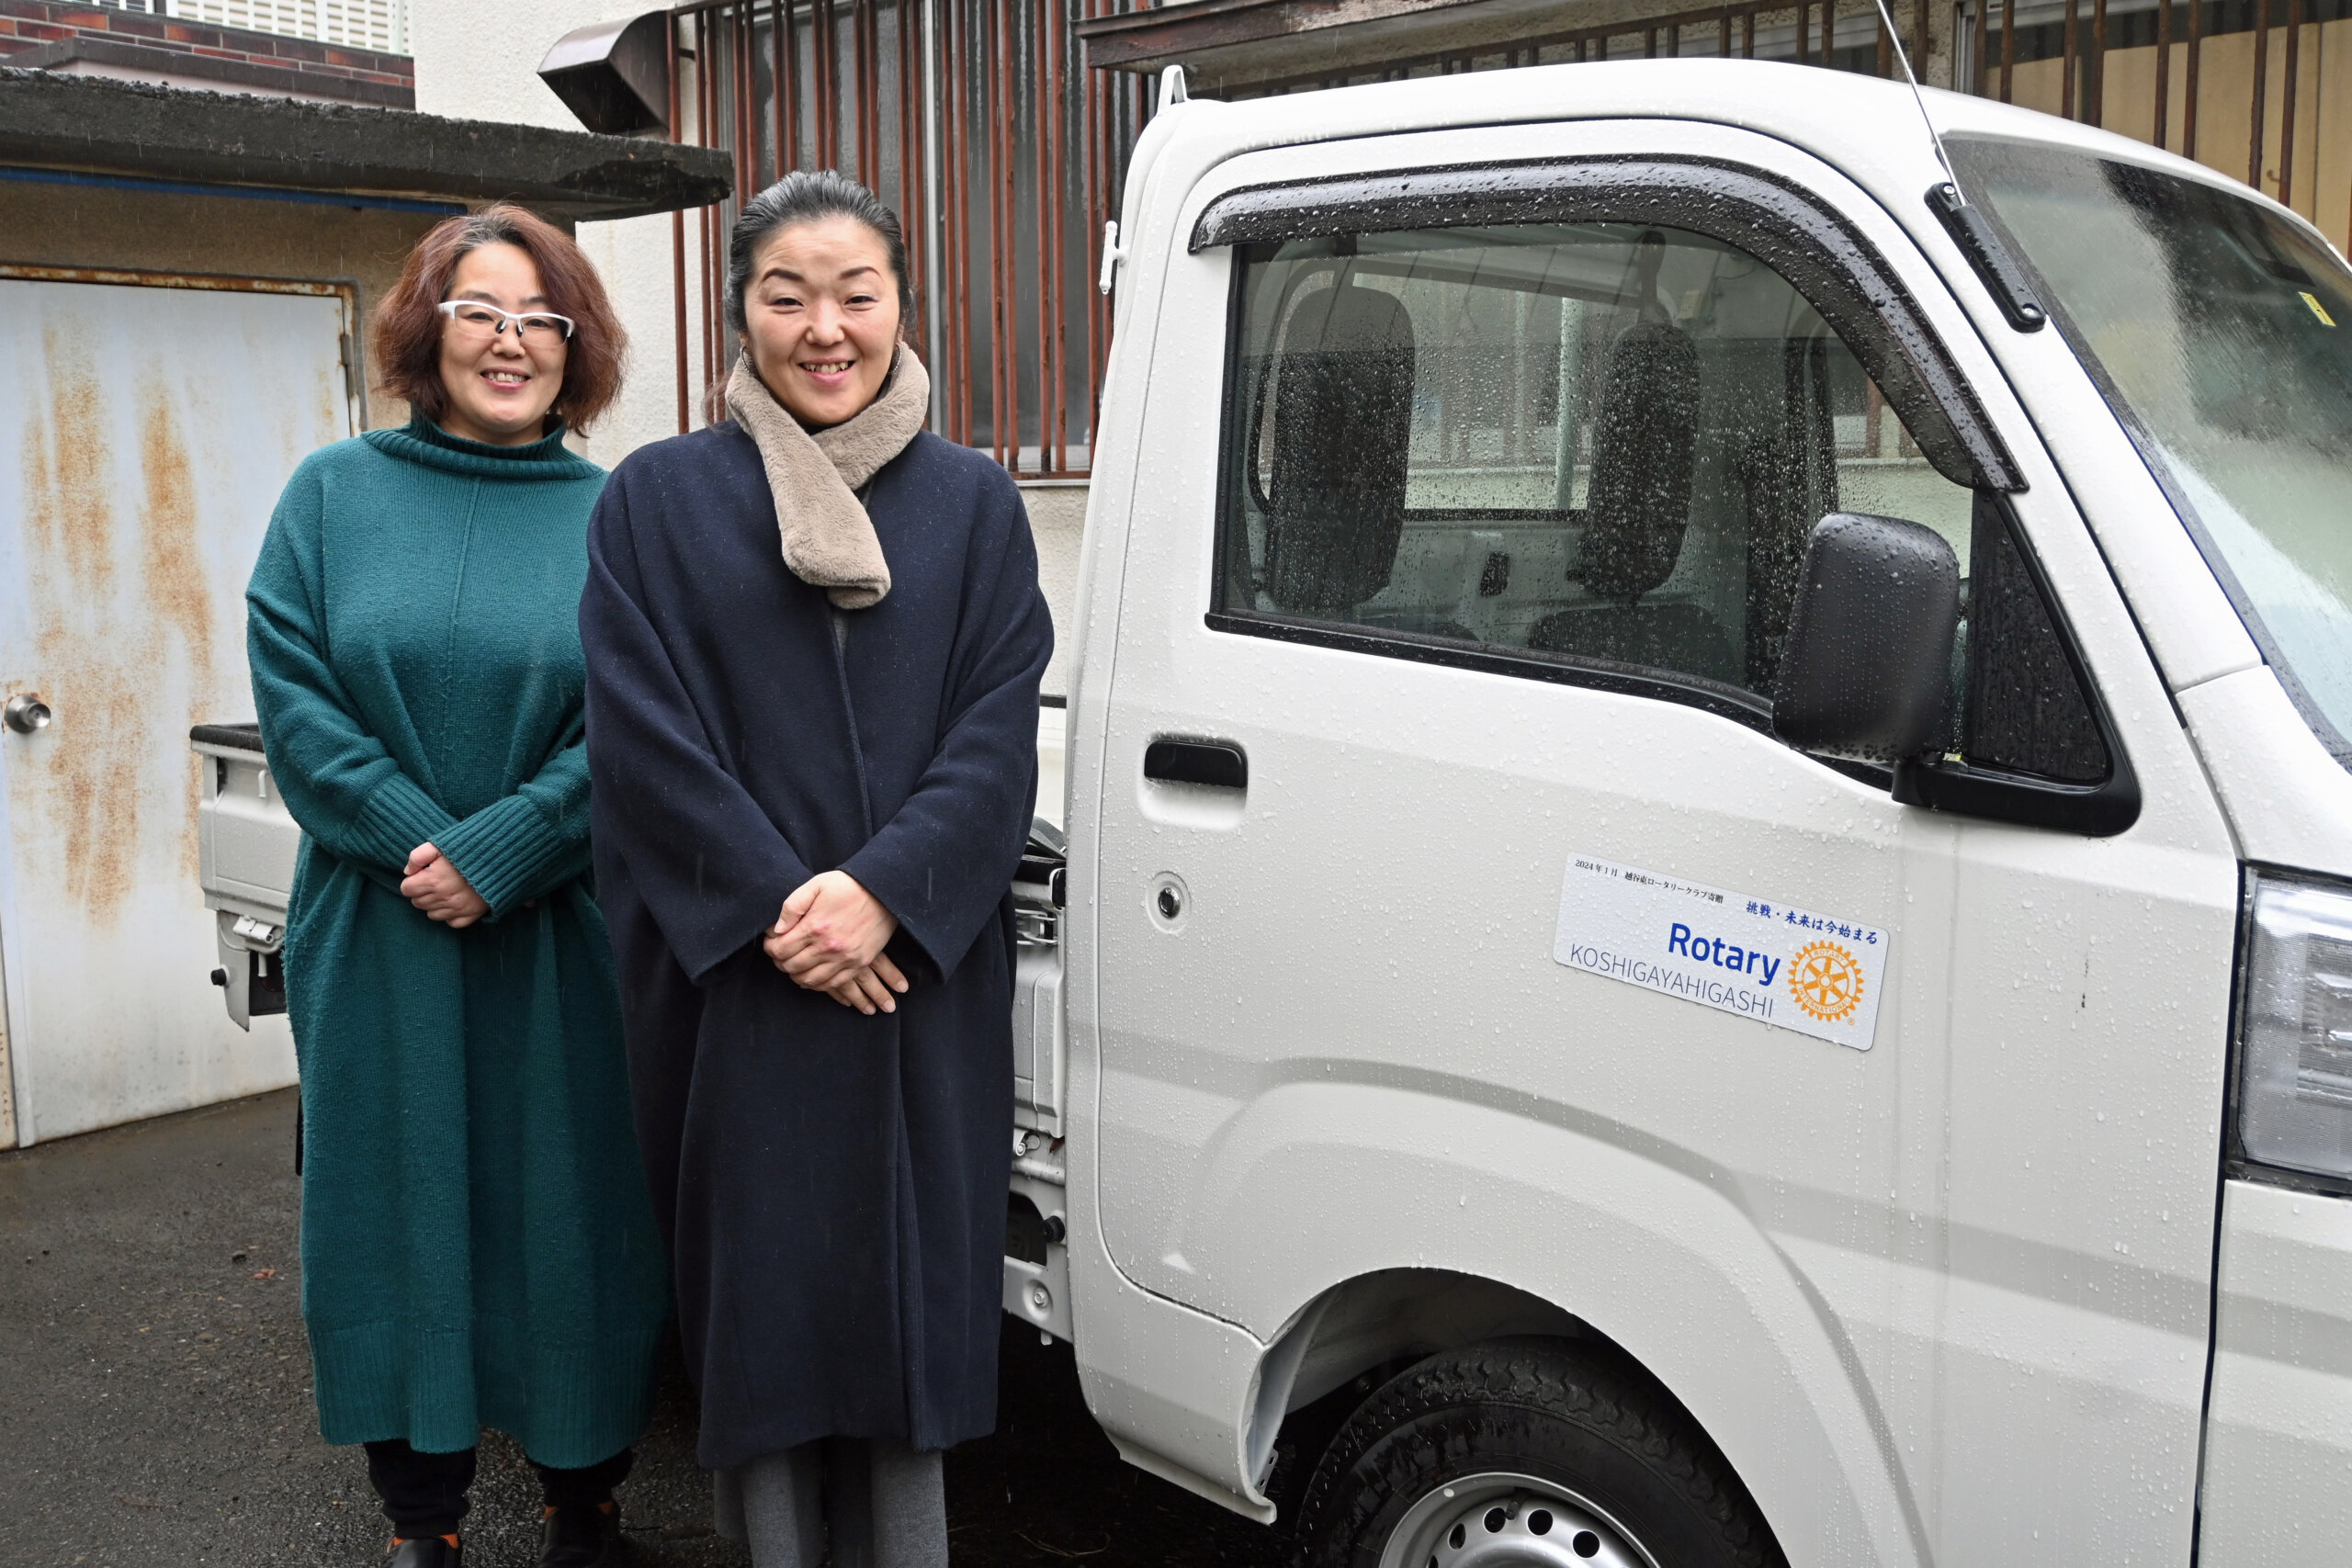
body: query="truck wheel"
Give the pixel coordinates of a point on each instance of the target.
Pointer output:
(1523, 1453)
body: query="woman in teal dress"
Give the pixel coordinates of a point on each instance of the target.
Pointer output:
(477, 1245)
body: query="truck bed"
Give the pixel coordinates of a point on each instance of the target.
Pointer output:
(246, 846)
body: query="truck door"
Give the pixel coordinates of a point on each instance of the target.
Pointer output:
(1460, 910)
(144, 435)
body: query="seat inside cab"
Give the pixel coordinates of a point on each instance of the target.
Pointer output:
(1605, 443)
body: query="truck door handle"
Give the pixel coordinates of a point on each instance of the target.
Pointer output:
(1218, 764)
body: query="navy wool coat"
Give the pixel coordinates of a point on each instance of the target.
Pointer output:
(833, 1185)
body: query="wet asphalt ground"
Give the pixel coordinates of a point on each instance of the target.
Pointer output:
(155, 1396)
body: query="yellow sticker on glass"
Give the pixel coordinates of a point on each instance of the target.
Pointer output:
(2317, 309)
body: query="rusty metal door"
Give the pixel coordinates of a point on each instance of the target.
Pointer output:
(145, 432)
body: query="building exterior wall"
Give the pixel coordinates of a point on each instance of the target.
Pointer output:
(143, 453)
(1057, 520)
(145, 434)
(182, 343)
(356, 24)
(2319, 173)
(1409, 41)
(456, 75)
(634, 256)
(107, 228)
(311, 61)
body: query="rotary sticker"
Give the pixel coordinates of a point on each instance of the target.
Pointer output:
(1757, 957)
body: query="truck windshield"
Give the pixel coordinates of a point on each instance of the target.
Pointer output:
(2222, 335)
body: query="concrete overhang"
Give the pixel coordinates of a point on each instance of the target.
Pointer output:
(91, 125)
(130, 59)
(1224, 44)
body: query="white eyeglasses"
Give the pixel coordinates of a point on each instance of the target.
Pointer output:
(473, 318)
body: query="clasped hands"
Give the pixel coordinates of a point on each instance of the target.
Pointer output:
(434, 886)
(830, 938)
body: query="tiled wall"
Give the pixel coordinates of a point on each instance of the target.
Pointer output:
(310, 65)
(358, 24)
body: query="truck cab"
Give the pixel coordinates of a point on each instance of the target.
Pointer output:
(1705, 820)
(1693, 905)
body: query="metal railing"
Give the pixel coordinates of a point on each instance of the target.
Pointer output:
(979, 123)
(2257, 89)
(1845, 35)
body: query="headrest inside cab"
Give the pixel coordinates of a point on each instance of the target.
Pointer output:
(1643, 443)
(1343, 411)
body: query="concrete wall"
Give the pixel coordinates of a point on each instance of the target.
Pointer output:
(1057, 518)
(95, 226)
(456, 75)
(218, 57)
(144, 433)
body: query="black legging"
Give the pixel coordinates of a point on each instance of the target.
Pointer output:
(426, 1493)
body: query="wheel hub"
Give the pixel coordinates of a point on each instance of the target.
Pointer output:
(1509, 1522)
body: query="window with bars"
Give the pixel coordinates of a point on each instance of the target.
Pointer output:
(2261, 90)
(1004, 158)
(979, 123)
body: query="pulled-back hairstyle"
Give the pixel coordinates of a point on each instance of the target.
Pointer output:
(805, 198)
(407, 335)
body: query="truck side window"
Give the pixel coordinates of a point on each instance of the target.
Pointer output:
(1598, 444)
(2021, 710)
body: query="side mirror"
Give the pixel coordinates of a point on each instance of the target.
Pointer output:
(1866, 674)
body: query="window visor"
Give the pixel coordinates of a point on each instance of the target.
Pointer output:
(1839, 273)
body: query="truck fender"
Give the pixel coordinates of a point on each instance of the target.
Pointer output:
(1647, 1245)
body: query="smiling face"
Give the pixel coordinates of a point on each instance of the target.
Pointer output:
(500, 386)
(822, 317)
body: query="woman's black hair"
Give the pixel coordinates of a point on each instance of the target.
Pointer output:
(802, 196)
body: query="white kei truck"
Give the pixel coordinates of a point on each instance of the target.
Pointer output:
(1706, 909)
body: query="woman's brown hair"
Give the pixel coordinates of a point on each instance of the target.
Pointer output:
(407, 334)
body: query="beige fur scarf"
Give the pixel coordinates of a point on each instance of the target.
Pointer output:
(828, 540)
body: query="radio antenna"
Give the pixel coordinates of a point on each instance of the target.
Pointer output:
(1894, 37)
(1991, 261)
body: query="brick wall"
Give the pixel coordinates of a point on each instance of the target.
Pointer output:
(253, 60)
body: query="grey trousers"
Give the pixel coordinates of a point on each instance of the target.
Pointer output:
(878, 1503)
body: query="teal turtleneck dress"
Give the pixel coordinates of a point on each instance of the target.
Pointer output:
(477, 1245)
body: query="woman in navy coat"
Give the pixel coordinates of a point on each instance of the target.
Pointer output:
(814, 638)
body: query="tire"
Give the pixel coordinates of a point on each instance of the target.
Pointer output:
(1527, 1453)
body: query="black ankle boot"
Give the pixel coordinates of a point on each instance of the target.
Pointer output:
(579, 1536)
(425, 1551)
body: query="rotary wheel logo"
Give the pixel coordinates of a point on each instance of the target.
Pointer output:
(1827, 981)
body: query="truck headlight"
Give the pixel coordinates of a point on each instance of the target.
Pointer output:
(2295, 1084)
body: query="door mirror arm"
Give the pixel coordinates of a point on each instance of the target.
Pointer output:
(2098, 811)
(1866, 678)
